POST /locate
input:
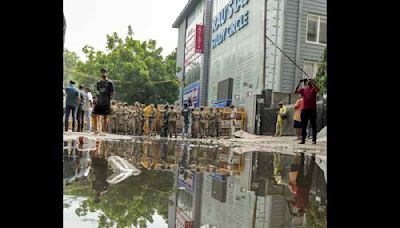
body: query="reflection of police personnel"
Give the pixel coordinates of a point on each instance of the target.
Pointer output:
(172, 116)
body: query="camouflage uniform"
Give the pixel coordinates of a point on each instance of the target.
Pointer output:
(152, 121)
(142, 119)
(113, 118)
(124, 120)
(136, 119)
(131, 121)
(215, 119)
(172, 116)
(196, 124)
(203, 122)
(164, 130)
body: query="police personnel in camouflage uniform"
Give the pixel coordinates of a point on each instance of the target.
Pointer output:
(203, 122)
(124, 119)
(136, 117)
(215, 122)
(131, 120)
(152, 120)
(164, 130)
(196, 123)
(172, 117)
(113, 119)
(143, 119)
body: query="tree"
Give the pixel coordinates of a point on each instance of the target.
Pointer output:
(321, 77)
(138, 69)
(70, 61)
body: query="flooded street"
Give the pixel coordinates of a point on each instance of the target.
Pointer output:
(140, 182)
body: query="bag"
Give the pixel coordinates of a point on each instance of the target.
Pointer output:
(284, 115)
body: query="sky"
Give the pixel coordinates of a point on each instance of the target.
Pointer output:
(89, 21)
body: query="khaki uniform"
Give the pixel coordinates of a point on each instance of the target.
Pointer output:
(172, 123)
(131, 121)
(113, 119)
(196, 124)
(215, 120)
(152, 121)
(136, 119)
(203, 123)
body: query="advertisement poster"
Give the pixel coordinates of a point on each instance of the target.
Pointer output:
(187, 180)
(182, 220)
(192, 92)
(199, 39)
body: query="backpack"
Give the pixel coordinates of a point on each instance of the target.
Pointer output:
(284, 115)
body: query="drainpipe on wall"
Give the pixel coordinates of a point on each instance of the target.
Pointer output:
(298, 39)
(276, 43)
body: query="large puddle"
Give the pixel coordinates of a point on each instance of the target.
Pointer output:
(165, 183)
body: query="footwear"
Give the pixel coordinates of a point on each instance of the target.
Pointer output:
(302, 142)
(314, 142)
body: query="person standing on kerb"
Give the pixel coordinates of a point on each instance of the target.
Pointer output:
(105, 88)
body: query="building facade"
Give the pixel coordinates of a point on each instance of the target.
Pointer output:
(249, 47)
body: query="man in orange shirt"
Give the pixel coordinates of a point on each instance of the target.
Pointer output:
(298, 106)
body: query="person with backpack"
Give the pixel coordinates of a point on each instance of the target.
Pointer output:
(280, 122)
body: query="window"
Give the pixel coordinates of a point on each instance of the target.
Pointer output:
(311, 68)
(316, 29)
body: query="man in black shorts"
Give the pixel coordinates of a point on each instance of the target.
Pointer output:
(105, 89)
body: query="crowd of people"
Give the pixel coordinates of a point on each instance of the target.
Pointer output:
(139, 119)
(80, 103)
(305, 112)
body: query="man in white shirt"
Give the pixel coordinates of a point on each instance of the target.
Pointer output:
(88, 109)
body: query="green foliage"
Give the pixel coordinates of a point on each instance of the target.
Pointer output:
(133, 201)
(70, 61)
(321, 77)
(315, 218)
(138, 69)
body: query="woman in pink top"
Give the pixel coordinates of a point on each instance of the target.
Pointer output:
(298, 106)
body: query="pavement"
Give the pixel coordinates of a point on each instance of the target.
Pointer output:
(242, 143)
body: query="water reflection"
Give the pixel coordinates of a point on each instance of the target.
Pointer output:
(192, 184)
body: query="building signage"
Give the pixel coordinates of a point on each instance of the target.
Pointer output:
(187, 180)
(182, 220)
(227, 12)
(192, 92)
(199, 39)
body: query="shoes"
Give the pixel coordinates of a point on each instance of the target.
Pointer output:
(314, 142)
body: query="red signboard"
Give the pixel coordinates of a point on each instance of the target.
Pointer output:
(199, 39)
(182, 220)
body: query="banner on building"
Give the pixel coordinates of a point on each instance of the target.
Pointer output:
(199, 39)
(186, 180)
(192, 92)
